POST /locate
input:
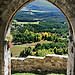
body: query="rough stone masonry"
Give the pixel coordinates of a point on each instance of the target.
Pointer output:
(47, 64)
(8, 9)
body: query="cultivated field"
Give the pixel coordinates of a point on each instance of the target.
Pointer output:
(25, 22)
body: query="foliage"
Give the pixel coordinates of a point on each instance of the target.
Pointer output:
(26, 52)
(38, 45)
(53, 48)
(28, 37)
(53, 26)
(48, 28)
(43, 52)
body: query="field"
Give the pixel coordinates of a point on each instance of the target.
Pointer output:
(25, 22)
(16, 49)
(34, 74)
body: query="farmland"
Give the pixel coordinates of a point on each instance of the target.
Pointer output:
(15, 22)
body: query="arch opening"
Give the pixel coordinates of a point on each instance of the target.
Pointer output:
(11, 18)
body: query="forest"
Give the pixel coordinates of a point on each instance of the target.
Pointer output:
(53, 30)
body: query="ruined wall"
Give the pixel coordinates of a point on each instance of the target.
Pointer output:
(50, 63)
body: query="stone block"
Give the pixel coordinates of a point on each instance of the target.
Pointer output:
(32, 63)
(6, 2)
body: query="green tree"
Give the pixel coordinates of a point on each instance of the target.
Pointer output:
(38, 44)
(26, 52)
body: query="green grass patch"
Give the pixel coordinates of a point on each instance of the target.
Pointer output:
(26, 22)
(15, 50)
(17, 47)
(35, 74)
(24, 74)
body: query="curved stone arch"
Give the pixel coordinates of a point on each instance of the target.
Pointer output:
(64, 5)
(64, 12)
(54, 2)
(11, 16)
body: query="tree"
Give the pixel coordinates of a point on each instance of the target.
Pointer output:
(49, 38)
(38, 44)
(26, 32)
(22, 54)
(43, 46)
(26, 52)
(56, 39)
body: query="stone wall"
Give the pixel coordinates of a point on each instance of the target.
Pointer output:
(49, 63)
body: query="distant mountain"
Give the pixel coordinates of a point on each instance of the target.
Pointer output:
(40, 9)
(41, 5)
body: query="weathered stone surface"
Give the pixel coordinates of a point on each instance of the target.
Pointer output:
(8, 9)
(51, 63)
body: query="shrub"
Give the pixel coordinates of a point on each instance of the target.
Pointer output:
(22, 53)
(44, 52)
(43, 46)
(34, 49)
(49, 38)
(38, 44)
(26, 52)
(59, 51)
(65, 50)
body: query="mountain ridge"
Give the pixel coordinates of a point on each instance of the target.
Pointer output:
(40, 5)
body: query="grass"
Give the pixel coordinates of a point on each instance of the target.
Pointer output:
(34, 74)
(15, 50)
(24, 74)
(26, 22)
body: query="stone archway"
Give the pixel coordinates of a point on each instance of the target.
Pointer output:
(10, 7)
